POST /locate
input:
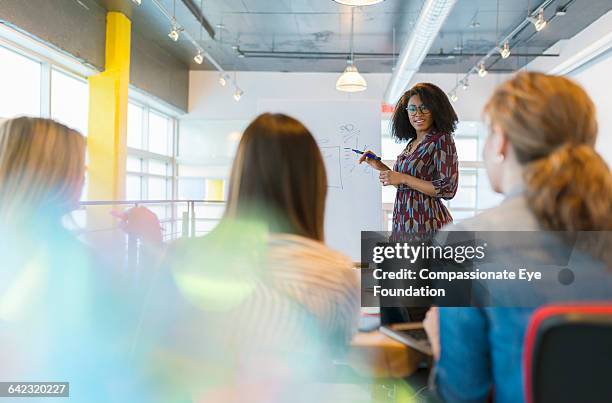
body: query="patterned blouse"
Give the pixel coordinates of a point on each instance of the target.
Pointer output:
(434, 160)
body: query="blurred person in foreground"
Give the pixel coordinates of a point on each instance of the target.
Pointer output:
(261, 305)
(540, 154)
(63, 315)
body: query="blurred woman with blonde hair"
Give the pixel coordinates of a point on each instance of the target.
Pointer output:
(42, 169)
(55, 298)
(540, 154)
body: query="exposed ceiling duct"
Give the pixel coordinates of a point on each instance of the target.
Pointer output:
(432, 16)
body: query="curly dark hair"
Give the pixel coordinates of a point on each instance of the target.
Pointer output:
(444, 116)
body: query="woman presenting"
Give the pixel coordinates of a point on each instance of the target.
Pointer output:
(427, 170)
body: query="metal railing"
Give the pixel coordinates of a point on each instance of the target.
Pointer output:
(187, 216)
(94, 223)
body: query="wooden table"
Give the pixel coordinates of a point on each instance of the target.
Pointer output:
(377, 355)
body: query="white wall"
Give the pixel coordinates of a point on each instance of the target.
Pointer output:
(208, 100)
(212, 106)
(596, 78)
(587, 58)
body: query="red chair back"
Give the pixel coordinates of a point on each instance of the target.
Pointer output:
(568, 354)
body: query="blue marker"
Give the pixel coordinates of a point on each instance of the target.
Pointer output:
(369, 155)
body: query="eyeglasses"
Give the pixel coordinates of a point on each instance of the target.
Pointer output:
(412, 109)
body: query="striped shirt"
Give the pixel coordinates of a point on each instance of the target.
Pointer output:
(306, 290)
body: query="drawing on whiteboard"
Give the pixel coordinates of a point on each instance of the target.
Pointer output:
(350, 135)
(340, 161)
(331, 157)
(353, 188)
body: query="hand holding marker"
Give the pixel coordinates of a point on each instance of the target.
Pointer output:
(368, 154)
(371, 159)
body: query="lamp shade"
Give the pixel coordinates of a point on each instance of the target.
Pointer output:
(350, 80)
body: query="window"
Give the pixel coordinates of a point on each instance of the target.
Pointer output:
(39, 88)
(474, 192)
(69, 100)
(134, 127)
(160, 134)
(20, 81)
(207, 149)
(150, 164)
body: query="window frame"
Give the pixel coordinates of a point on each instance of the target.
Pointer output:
(69, 73)
(145, 156)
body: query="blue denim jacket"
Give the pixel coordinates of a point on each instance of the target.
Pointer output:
(482, 348)
(482, 351)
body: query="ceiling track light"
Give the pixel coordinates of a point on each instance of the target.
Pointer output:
(453, 96)
(482, 71)
(178, 30)
(199, 58)
(536, 18)
(238, 93)
(175, 32)
(540, 22)
(505, 50)
(223, 79)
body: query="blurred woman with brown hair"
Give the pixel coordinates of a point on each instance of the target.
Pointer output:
(277, 303)
(540, 154)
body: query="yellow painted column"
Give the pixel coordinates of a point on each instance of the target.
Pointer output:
(108, 100)
(215, 190)
(107, 136)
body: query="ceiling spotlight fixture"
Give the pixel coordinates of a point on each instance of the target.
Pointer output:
(540, 22)
(465, 84)
(350, 80)
(505, 50)
(453, 96)
(176, 29)
(238, 94)
(222, 80)
(482, 71)
(561, 11)
(199, 58)
(137, 2)
(237, 91)
(357, 3)
(175, 32)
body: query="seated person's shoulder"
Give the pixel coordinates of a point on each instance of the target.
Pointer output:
(309, 250)
(511, 215)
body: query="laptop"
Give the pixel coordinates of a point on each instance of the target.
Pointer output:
(405, 325)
